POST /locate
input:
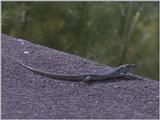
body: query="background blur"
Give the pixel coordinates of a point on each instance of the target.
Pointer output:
(111, 33)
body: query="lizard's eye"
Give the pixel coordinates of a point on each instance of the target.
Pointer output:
(123, 66)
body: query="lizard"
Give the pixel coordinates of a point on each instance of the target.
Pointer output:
(122, 70)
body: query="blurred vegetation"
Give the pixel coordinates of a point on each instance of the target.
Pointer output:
(112, 33)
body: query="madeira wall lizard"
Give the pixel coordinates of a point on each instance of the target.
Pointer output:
(120, 71)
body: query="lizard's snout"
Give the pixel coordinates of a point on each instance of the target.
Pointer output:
(133, 65)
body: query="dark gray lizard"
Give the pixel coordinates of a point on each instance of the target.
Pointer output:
(120, 71)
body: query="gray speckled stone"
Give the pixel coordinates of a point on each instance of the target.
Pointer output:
(29, 95)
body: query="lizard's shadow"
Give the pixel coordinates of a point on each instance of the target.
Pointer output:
(111, 80)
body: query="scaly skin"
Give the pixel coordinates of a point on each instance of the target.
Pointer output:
(117, 72)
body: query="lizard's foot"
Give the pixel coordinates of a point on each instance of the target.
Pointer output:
(86, 80)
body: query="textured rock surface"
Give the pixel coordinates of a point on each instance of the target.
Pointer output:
(29, 95)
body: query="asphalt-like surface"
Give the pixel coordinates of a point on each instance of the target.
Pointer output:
(29, 95)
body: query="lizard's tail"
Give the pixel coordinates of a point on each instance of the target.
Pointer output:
(55, 76)
(26, 66)
(34, 69)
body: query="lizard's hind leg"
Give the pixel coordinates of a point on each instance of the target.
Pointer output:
(86, 80)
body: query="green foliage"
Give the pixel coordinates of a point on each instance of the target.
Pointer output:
(108, 32)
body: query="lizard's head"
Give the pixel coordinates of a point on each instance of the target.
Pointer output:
(123, 69)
